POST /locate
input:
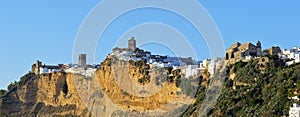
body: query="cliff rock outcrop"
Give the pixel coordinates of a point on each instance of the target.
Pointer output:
(118, 88)
(50, 94)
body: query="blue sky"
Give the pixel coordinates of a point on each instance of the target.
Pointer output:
(45, 30)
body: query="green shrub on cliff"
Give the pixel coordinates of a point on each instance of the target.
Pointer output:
(267, 93)
(2, 92)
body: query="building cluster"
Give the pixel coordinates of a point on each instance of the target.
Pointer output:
(134, 53)
(248, 51)
(274, 50)
(188, 66)
(245, 51)
(40, 68)
(291, 55)
(211, 66)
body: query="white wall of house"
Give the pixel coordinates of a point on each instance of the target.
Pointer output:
(43, 70)
(289, 63)
(157, 64)
(214, 64)
(294, 111)
(297, 58)
(191, 71)
(211, 68)
(46, 70)
(293, 53)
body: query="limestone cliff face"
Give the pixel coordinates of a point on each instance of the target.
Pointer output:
(138, 87)
(44, 95)
(119, 84)
(118, 88)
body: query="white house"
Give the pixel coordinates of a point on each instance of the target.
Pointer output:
(49, 69)
(191, 71)
(214, 64)
(297, 58)
(293, 54)
(204, 64)
(160, 64)
(211, 65)
(88, 71)
(294, 111)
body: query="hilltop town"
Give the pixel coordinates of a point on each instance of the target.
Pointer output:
(189, 68)
(246, 52)
(248, 67)
(249, 51)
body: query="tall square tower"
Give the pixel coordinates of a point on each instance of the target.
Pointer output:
(82, 59)
(131, 44)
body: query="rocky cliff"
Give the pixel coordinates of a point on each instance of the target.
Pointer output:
(136, 89)
(143, 89)
(50, 94)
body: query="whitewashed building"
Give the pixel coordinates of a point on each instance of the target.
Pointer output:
(294, 111)
(214, 64)
(191, 71)
(292, 54)
(210, 65)
(87, 71)
(49, 69)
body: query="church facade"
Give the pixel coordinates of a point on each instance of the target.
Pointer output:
(244, 51)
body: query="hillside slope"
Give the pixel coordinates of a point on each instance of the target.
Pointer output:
(262, 87)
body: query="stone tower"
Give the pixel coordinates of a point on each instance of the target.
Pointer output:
(259, 49)
(131, 44)
(36, 67)
(82, 59)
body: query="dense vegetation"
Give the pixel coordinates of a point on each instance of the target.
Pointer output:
(2, 92)
(256, 90)
(267, 93)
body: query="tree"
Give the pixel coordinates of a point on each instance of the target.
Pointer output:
(12, 85)
(228, 82)
(2, 92)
